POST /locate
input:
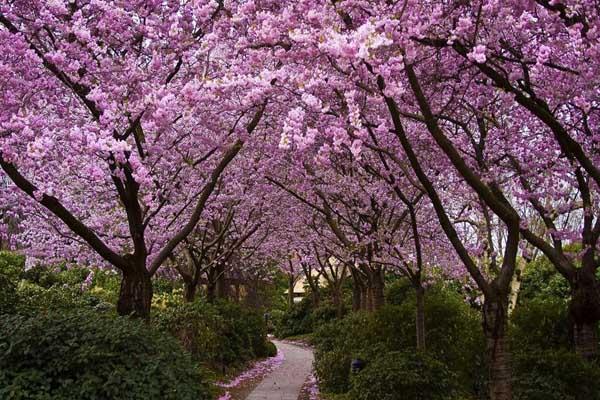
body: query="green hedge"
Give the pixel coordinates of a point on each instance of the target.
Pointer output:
(404, 376)
(453, 335)
(220, 334)
(87, 355)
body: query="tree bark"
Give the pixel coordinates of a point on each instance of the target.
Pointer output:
(377, 290)
(135, 295)
(222, 286)
(364, 298)
(189, 291)
(357, 292)
(211, 289)
(291, 285)
(337, 302)
(498, 352)
(585, 336)
(420, 317)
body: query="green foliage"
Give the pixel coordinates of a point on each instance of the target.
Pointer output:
(540, 279)
(86, 355)
(303, 318)
(296, 321)
(8, 295)
(271, 349)
(333, 370)
(221, 334)
(453, 335)
(544, 364)
(404, 376)
(554, 375)
(398, 291)
(11, 265)
(540, 323)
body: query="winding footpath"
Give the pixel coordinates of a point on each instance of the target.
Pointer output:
(285, 382)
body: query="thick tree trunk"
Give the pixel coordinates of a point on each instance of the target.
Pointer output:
(377, 291)
(585, 336)
(189, 292)
(364, 298)
(515, 286)
(498, 352)
(337, 302)
(420, 317)
(135, 295)
(584, 311)
(211, 291)
(316, 298)
(222, 288)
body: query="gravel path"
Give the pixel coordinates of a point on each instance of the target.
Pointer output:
(286, 381)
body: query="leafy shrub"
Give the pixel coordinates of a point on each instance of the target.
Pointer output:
(35, 299)
(8, 295)
(11, 265)
(540, 323)
(404, 376)
(86, 355)
(398, 291)
(540, 279)
(453, 335)
(333, 370)
(555, 375)
(271, 349)
(221, 334)
(297, 320)
(326, 312)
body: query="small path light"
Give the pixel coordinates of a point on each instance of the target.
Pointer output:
(357, 365)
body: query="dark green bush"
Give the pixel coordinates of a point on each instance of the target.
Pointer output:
(404, 376)
(8, 295)
(545, 366)
(333, 370)
(554, 375)
(398, 291)
(35, 299)
(221, 334)
(86, 355)
(540, 323)
(540, 279)
(453, 335)
(296, 321)
(271, 350)
(11, 265)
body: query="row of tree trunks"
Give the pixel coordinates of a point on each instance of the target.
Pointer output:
(368, 293)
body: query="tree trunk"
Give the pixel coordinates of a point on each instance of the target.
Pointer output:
(189, 291)
(337, 302)
(222, 287)
(498, 352)
(515, 286)
(364, 298)
(211, 291)
(291, 286)
(584, 311)
(238, 293)
(377, 291)
(357, 293)
(585, 336)
(135, 295)
(420, 317)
